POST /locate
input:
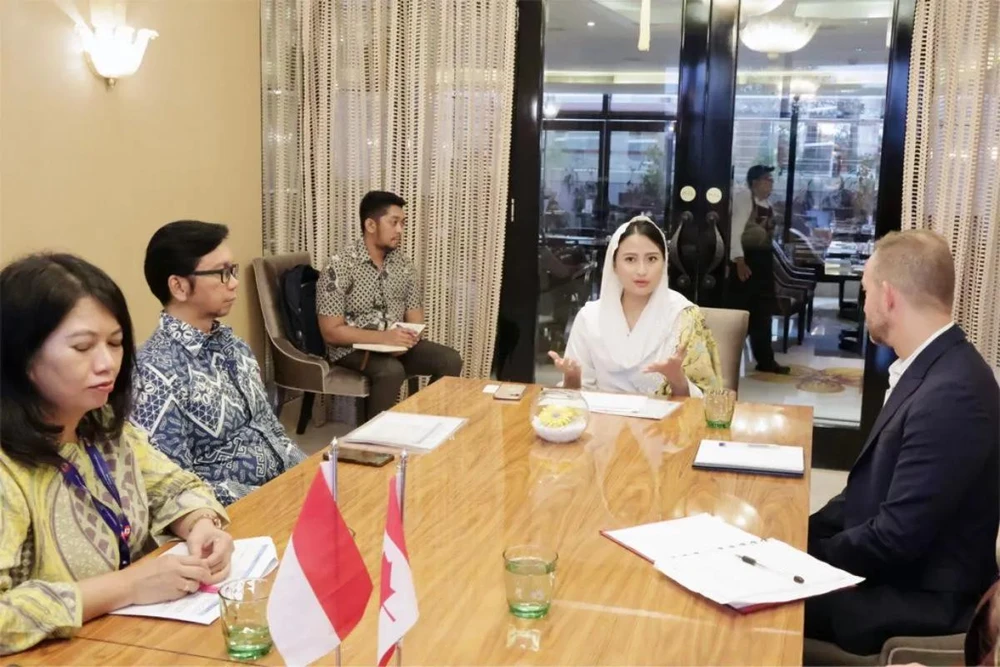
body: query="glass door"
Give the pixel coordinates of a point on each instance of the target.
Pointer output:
(810, 107)
(608, 126)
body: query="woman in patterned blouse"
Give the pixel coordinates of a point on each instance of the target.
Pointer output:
(83, 494)
(640, 336)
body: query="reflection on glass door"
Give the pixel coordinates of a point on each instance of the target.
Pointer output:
(810, 102)
(639, 174)
(570, 167)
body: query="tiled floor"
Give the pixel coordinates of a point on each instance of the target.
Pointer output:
(824, 377)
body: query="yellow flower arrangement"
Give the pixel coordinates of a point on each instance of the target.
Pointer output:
(557, 416)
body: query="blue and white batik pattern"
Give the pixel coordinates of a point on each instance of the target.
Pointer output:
(201, 399)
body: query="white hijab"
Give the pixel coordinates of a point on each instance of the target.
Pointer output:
(622, 349)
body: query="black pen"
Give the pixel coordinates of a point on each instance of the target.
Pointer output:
(753, 561)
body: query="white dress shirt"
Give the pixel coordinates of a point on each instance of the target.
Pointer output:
(899, 366)
(744, 206)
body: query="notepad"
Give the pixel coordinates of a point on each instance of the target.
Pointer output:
(629, 405)
(750, 457)
(707, 556)
(405, 430)
(379, 347)
(415, 328)
(252, 558)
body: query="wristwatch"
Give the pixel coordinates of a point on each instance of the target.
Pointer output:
(207, 514)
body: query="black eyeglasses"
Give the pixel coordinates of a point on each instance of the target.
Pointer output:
(225, 274)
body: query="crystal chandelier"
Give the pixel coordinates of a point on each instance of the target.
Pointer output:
(776, 35)
(750, 8)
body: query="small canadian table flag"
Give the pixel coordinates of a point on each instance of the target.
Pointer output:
(398, 610)
(322, 586)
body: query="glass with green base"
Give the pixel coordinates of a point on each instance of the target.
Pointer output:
(719, 407)
(244, 618)
(529, 577)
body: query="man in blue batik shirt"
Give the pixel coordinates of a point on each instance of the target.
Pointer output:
(199, 392)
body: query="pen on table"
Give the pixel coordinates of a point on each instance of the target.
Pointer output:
(746, 444)
(753, 561)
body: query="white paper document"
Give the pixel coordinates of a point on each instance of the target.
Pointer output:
(409, 431)
(252, 558)
(378, 347)
(710, 557)
(415, 328)
(628, 405)
(750, 457)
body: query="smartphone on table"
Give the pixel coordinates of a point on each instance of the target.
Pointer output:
(361, 457)
(509, 392)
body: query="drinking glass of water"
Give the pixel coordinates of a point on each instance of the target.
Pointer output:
(529, 576)
(244, 618)
(719, 407)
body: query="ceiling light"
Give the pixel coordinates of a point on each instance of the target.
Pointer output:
(750, 8)
(590, 24)
(775, 35)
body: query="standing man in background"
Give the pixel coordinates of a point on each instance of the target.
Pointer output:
(750, 271)
(362, 295)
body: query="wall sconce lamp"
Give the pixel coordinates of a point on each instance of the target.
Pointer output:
(114, 51)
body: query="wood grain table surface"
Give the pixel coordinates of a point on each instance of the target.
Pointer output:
(494, 485)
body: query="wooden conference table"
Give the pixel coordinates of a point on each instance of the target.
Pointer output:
(495, 485)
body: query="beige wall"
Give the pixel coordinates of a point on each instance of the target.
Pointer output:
(96, 171)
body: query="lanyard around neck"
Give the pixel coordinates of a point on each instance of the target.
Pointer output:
(115, 520)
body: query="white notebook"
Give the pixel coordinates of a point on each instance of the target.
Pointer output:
(629, 405)
(708, 556)
(379, 347)
(252, 558)
(750, 457)
(405, 430)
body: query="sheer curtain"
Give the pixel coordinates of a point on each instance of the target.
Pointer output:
(411, 96)
(952, 169)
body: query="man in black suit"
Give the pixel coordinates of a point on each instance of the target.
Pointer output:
(918, 518)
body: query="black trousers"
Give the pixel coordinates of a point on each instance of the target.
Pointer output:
(387, 373)
(756, 296)
(861, 619)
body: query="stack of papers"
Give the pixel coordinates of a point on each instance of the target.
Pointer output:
(405, 430)
(628, 405)
(729, 566)
(750, 457)
(252, 558)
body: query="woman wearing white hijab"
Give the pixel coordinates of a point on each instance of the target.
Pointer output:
(640, 336)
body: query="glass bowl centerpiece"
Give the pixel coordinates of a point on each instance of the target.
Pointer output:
(559, 415)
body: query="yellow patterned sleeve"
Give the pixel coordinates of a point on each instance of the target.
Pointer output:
(172, 491)
(701, 365)
(30, 609)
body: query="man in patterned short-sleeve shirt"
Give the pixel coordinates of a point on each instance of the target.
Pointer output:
(364, 292)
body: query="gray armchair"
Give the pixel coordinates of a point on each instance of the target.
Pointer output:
(729, 328)
(294, 369)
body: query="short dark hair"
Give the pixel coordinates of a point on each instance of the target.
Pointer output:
(175, 250)
(642, 227)
(36, 294)
(376, 203)
(758, 171)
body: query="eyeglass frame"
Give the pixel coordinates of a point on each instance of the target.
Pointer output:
(232, 269)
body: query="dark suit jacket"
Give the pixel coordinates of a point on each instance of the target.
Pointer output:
(921, 505)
